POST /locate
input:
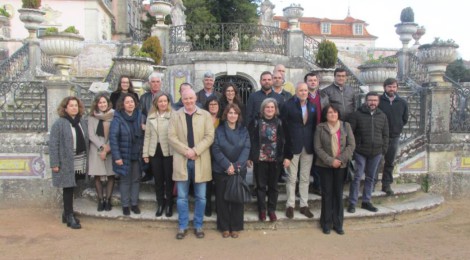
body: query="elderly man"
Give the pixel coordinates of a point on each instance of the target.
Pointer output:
(191, 133)
(208, 90)
(341, 95)
(299, 120)
(370, 127)
(288, 86)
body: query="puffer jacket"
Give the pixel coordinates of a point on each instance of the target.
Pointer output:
(123, 145)
(370, 131)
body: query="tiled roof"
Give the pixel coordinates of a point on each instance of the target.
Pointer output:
(339, 28)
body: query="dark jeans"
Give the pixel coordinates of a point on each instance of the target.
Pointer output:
(267, 174)
(67, 196)
(162, 168)
(229, 215)
(389, 161)
(364, 165)
(332, 181)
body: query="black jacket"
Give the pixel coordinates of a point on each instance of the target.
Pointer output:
(370, 131)
(397, 114)
(296, 133)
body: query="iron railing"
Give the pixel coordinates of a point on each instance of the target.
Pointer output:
(46, 64)
(23, 106)
(84, 94)
(417, 71)
(310, 49)
(138, 35)
(414, 98)
(16, 65)
(228, 37)
(459, 107)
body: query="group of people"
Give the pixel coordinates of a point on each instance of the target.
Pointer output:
(207, 137)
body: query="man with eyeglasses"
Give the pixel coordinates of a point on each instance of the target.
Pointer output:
(370, 127)
(341, 95)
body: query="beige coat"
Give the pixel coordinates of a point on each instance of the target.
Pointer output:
(97, 167)
(156, 131)
(203, 137)
(322, 145)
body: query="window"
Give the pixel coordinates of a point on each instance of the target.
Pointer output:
(326, 28)
(358, 28)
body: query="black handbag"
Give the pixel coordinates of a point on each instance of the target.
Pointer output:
(237, 190)
(350, 171)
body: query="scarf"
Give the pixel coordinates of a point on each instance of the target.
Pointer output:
(80, 139)
(334, 138)
(104, 122)
(133, 122)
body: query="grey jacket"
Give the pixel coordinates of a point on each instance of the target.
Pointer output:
(343, 100)
(61, 152)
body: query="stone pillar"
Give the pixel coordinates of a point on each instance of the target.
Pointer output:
(34, 57)
(295, 44)
(162, 31)
(440, 157)
(56, 91)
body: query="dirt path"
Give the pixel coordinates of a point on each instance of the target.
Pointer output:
(38, 234)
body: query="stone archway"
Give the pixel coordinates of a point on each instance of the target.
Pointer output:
(245, 88)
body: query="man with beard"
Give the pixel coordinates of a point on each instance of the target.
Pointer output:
(396, 109)
(370, 127)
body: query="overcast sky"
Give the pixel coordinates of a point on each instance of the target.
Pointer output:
(449, 19)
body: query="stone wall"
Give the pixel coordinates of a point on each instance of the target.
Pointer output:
(25, 178)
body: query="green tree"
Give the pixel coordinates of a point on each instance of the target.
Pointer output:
(235, 11)
(457, 71)
(198, 12)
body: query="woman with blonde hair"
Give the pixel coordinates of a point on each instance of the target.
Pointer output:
(100, 161)
(68, 146)
(159, 153)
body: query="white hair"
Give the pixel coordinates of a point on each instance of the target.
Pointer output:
(155, 75)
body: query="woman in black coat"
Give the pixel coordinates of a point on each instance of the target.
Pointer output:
(124, 86)
(230, 152)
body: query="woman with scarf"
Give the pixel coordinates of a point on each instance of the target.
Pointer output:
(68, 153)
(334, 145)
(100, 161)
(126, 140)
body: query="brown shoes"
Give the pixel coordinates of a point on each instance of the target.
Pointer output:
(290, 212)
(225, 234)
(272, 216)
(235, 234)
(306, 212)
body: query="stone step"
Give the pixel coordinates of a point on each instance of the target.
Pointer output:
(388, 211)
(147, 199)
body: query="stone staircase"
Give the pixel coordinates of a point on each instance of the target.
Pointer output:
(408, 200)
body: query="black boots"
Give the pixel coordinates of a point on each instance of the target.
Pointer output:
(101, 204)
(64, 218)
(160, 208)
(108, 206)
(72, 222)
(169, 210)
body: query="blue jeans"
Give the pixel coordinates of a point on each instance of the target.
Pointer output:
(367, 165)
(182, 200)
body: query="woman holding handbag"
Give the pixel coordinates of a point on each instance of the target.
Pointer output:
(334, 145)
(230, 152)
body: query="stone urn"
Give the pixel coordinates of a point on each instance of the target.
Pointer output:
(63, 48)
(31, 18)
(436, 57)
(160, 9)
(326, 76)
(137, 68)
(4, 22)
(374, 75)
(293, 13)
(406, 31)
